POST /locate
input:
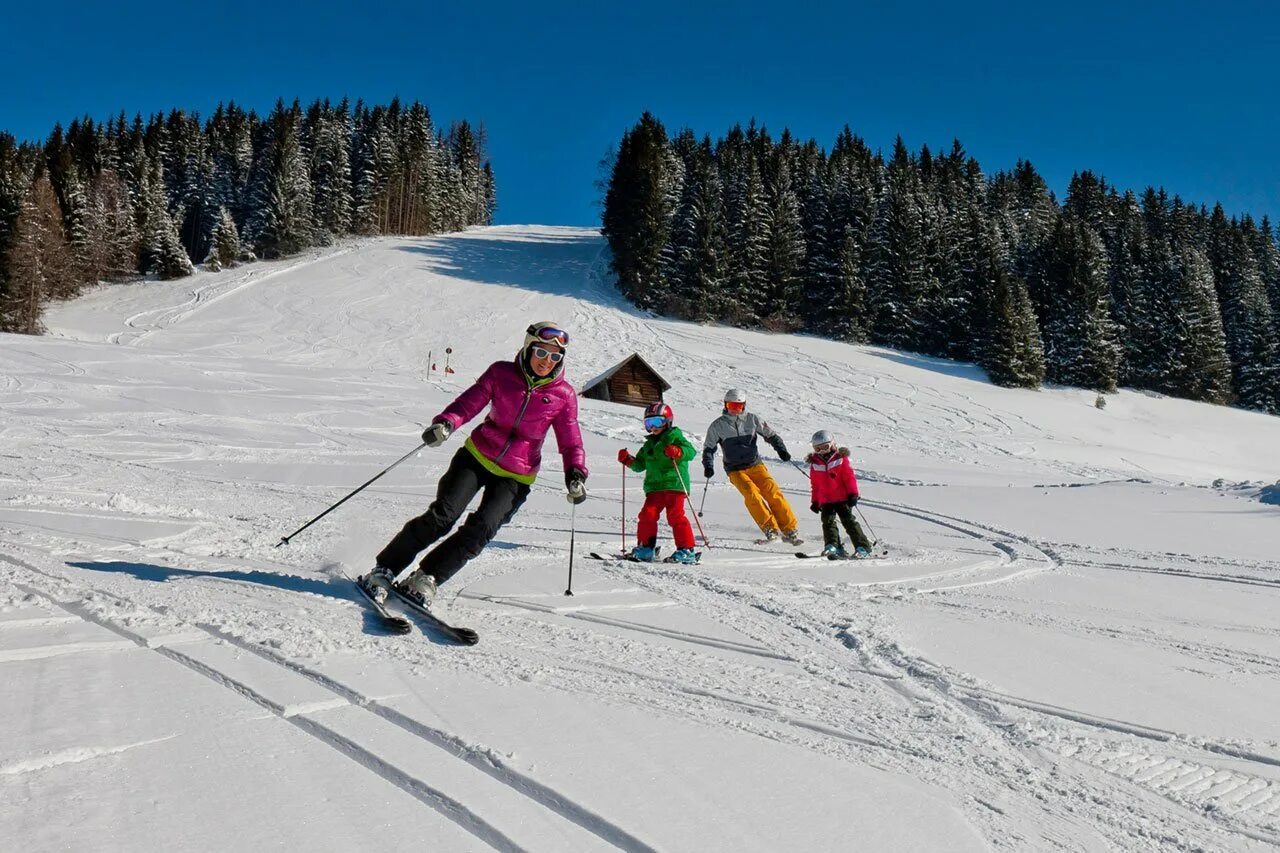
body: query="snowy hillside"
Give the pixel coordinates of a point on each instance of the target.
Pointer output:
(1074, 643)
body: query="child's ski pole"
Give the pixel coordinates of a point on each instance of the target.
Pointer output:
(705, 543)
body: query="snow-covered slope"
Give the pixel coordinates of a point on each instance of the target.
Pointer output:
(1073, 643)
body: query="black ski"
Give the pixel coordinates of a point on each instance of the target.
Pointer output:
(882, 552)
(393, 623)
(466, 636)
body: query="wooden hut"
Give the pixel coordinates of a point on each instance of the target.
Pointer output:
(631, 382)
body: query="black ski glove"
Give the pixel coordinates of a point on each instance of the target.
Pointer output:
(436, 434)
(576, 482)
(853, 501)
(813, 507)
(708, 471)
(784, 455)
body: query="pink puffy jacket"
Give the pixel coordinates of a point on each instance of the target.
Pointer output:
(831, 479)
(512, 434)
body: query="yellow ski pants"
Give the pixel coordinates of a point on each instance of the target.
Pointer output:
(764, 499)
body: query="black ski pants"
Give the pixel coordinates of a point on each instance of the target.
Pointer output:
(465, 477)
(831, 533)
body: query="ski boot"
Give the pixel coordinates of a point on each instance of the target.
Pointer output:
(419, 588)
(833, 552)
(792, 537)
(688, 556)
(772, 535)
(643, 553)
(861, 552)
(377, 584)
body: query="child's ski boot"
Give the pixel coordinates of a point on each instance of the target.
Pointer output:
(419, 588)
(642, 554)
(377, 584)
(861, 553)
(688, 556)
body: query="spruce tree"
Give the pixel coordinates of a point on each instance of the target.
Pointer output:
(782, 306)
(896, 274)
(1199, 368)
(823, 249)
(1012, 353)
(1071, 300)
(638, 210)
(161, 252)
(1246, 315)
(224, 248)
(281, 222)
(330, 167)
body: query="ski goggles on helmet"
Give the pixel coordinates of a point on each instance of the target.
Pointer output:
(735, 408)
(554, 355)
(551, 335)
(655, 422)
(824, 448)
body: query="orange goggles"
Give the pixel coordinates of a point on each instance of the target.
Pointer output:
(735, 408)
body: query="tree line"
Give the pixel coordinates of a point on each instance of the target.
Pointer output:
(110, 201)
(922, 251)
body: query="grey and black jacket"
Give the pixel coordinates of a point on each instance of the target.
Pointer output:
(737, 435)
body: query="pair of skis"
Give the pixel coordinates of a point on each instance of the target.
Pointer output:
(880, 551)
(399, 625)
(626, 557)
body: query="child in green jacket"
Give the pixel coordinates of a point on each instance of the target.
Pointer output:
(664, 459)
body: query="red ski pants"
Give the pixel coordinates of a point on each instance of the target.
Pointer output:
(654, 504)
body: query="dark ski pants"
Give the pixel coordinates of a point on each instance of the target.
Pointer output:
(465, 477)
(831, 533)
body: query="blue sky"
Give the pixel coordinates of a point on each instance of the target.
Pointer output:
(1180, 94)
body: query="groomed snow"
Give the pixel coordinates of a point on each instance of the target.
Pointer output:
(1072, 645)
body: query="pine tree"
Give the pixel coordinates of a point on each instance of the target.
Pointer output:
(749, 245)
(823, 252)
(638, 210)
(896, 268)
(1131, 303)
(1199, 368)
(1267, 252)
(694, 254)
(224, 248)
(281, 222)
(328, 134)
(39, 261)
(1071, 300)
(785, 255)
(162, 252)
(1012, 353)
(1246, 315)
(113, 237)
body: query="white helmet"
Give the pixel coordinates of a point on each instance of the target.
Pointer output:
(822, 438)
(545, 331)
(735, 395)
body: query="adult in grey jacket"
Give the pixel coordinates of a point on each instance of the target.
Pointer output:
(736, 431)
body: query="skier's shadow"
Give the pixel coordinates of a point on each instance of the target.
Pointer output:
(337, 588)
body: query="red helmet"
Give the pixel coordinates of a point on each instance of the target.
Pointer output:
(658, 416)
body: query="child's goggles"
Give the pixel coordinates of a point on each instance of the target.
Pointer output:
(655, 422)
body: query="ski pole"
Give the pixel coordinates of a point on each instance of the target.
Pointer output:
(675, 465)
(867, 523)
(284, 540)
(624, 509)
(703, 505)
(573, 528)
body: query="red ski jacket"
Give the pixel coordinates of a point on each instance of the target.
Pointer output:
(831, 478)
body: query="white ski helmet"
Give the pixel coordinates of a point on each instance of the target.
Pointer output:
(545, 331)
(822, 438)
(735, 395)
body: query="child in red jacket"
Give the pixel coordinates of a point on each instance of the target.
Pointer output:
(833, 490)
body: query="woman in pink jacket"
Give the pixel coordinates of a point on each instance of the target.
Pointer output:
(833, 490)
(527, 397)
